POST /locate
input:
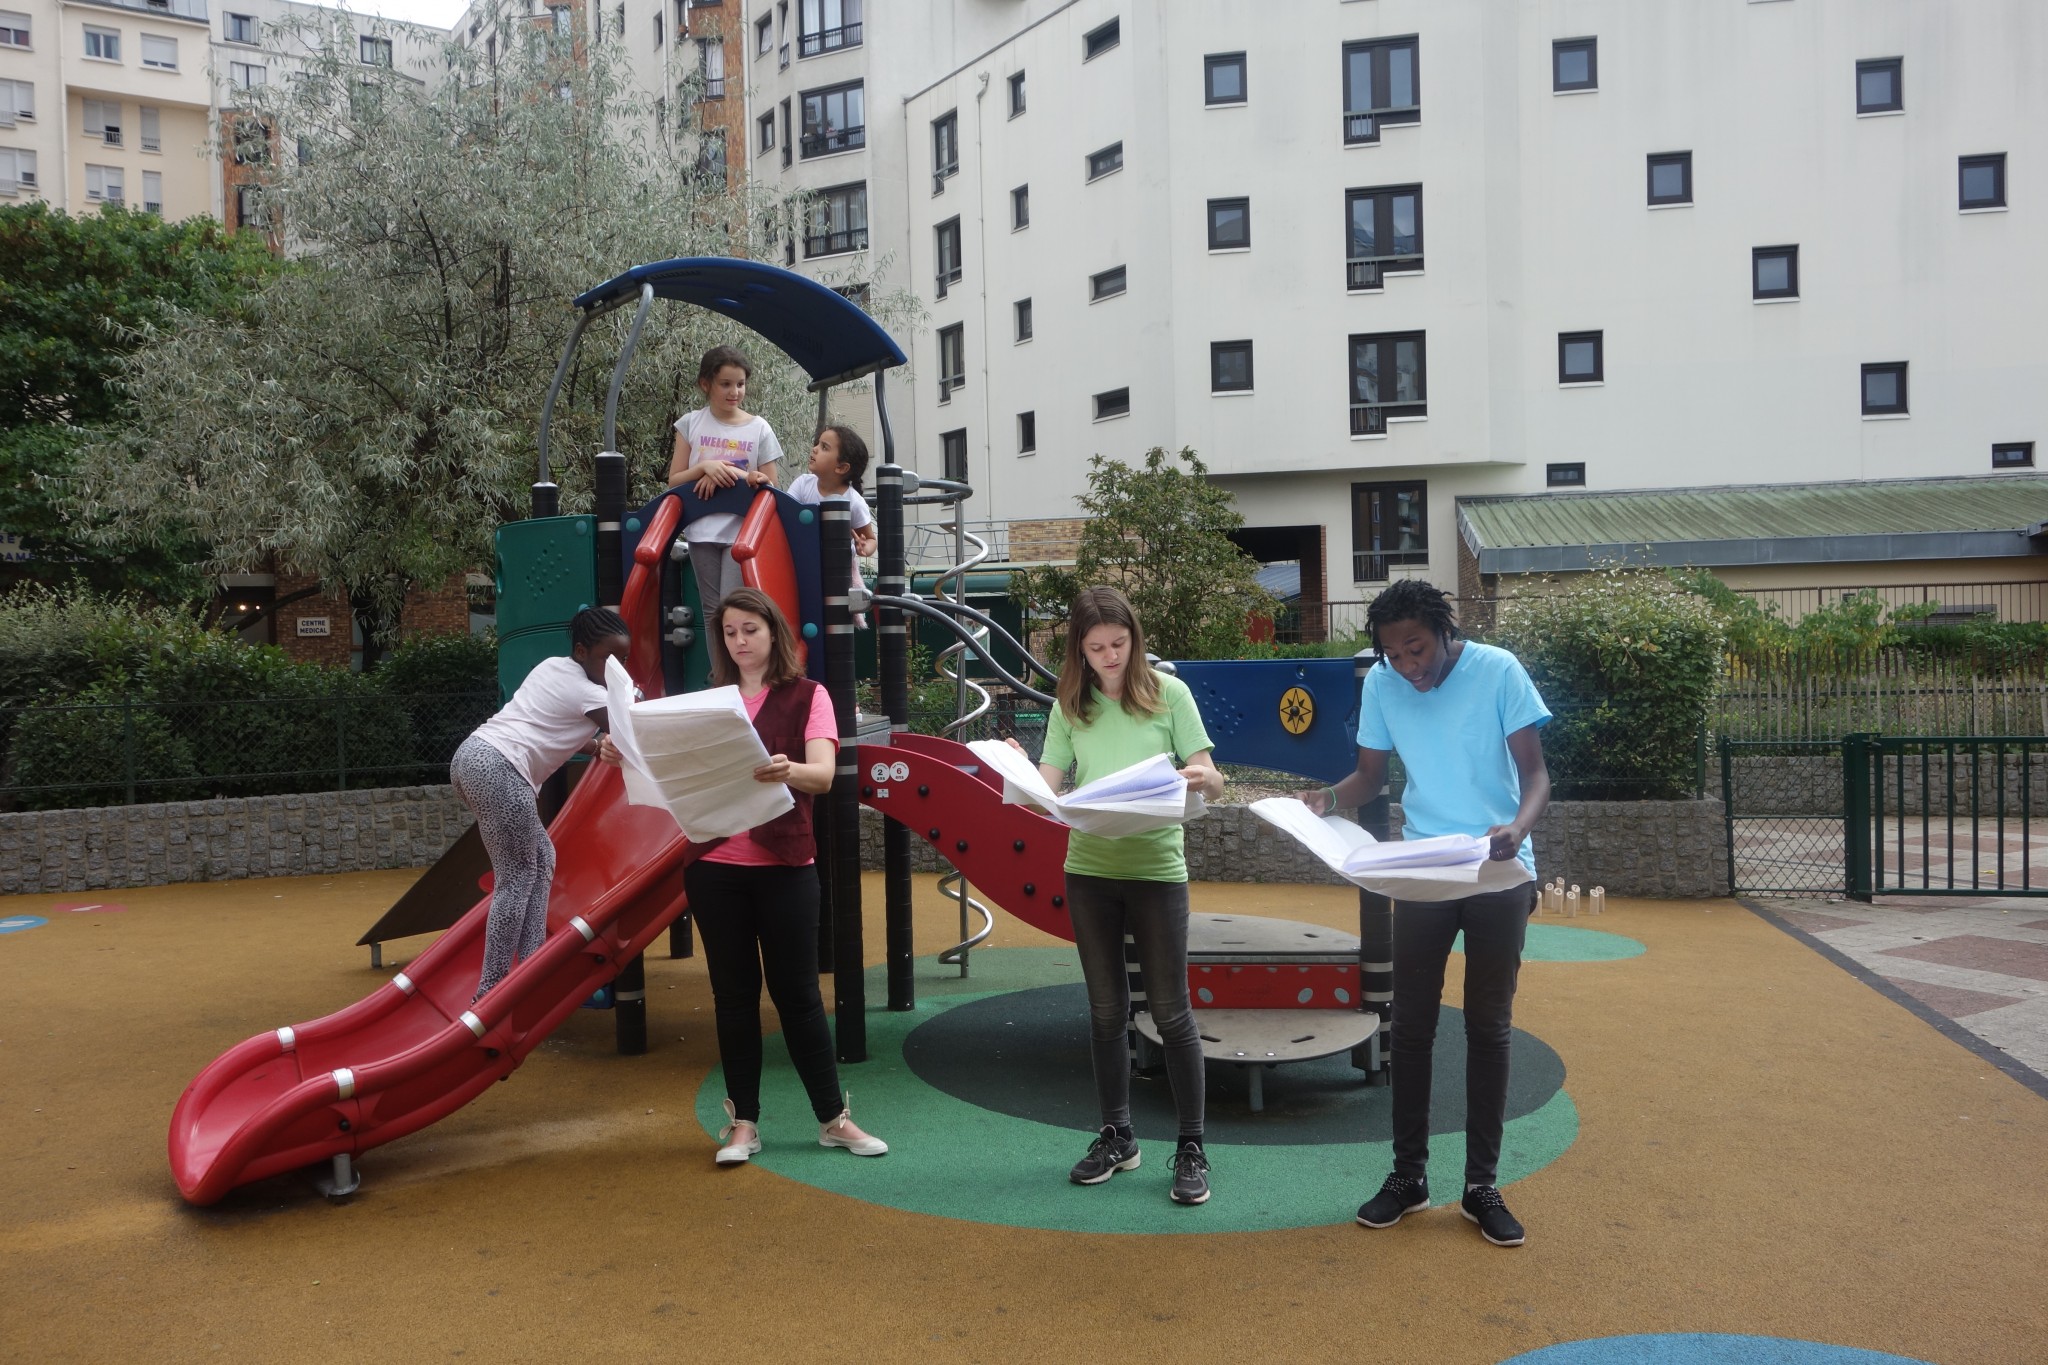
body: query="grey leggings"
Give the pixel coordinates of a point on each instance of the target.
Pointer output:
(718, 573)
(522, 856)
(1155, 915)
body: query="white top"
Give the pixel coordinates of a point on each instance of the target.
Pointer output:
(804, 488)
(750, 445)
(547, 720)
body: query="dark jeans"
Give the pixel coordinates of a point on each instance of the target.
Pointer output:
(761, 923)
(1495, 925)
(1155, 915)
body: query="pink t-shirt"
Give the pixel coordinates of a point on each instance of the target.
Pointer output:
(741, 849)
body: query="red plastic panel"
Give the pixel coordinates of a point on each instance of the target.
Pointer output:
(1270, 986)
(761, 549)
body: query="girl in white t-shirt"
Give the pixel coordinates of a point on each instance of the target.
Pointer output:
(718, 446)
(839, 457)
(557, 713)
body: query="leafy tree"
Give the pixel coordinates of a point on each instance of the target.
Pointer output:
(74, 294)
(1160, 534)
(372, 417)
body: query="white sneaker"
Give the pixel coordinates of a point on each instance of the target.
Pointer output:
(735, 1152)
(852, 1139)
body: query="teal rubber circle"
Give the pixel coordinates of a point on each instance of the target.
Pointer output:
(632, 523)
(806, 516)
(810, 630)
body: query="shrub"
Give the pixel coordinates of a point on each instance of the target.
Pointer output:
(90, 750)
(1629, 662)
(449, 684)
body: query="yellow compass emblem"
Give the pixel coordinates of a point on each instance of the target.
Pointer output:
(1297, 710)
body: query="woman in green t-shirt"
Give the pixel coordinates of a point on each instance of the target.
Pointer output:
(1113, 711)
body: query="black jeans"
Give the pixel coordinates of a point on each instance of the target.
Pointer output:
(761, 923)
(1155, 915)
(1495, 925)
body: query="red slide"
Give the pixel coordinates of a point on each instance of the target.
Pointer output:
(414, 1050)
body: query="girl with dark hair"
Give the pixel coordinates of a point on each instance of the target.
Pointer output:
(558, 712)
(755, 895)
(1465, 719)
(1113, 710)
(718, 446)
(839, 457)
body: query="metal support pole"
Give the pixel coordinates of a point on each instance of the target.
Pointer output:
(1856, 816)
(894, 658)
(1375, 934)
(629, 991)
(842, 806)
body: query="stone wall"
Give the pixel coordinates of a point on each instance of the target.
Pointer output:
(205, 841)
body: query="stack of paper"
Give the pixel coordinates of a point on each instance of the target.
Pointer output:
(1441, 869)
(694, 754)
(1145, 796)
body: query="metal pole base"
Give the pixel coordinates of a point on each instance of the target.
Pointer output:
(376, 956)
(345, 1180)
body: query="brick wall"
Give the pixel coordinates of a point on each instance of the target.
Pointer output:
(1054, 539)
(430, 611)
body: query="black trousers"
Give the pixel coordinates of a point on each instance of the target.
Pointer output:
(1495, 925)
(761, 924)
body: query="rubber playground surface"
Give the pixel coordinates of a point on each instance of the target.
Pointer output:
(1725, 1147)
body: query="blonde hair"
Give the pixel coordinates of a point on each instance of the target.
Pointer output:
(1102, 606)
(783, 662)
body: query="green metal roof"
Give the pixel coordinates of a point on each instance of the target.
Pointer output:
(1953, 518)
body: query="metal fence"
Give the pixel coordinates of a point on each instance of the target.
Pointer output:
(1947, 815)
(1792, 695)
(60, 755)
(1785, 816)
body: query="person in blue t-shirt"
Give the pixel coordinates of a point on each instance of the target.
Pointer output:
(1465, 719)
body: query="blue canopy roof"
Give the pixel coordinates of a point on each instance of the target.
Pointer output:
(821, 330)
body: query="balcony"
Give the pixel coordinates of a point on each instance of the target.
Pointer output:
(1363, 127)
(834, 140)
(1369, 566)
(714, 88)
(828, 40)
(1370, 419)
(782, 54)
(1368, 272)
(836, 243)
(111, 136)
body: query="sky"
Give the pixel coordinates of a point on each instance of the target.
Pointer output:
(439, 13)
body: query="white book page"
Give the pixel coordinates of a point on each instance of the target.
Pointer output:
(1135, 800)
(1420, 870)
(694, 754)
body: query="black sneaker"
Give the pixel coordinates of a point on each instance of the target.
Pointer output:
(1484, 1206)
(1190, 1175)
(1398, 1196)
(1107, 1155)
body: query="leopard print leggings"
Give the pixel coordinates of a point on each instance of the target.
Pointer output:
(522, 856)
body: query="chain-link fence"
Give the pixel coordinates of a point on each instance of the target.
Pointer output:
(59, 755)
(1785, 816)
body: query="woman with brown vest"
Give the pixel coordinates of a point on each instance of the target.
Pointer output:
(755, 895)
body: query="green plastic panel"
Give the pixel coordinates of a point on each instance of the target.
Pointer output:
(547, 572)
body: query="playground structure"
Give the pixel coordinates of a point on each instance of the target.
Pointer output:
(416, 1049)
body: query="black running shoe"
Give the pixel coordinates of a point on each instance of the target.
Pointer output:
(1190, 1175)
(1399, 1195)
(1484, 1206)
(1107, 1155)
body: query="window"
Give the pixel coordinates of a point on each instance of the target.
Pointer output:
(952, 360)
(103, 184)
(152, 128)
(1884, 389)
(945, 149)
(17, 101)
(1564, 475)
(2013, 455)
(1223, 78)
(1016, 94)
(1574, 64)
(1230, 367)
(14, 32)
(711, 62)
(247, 75)
(711, 159)
(153, 192)
(159, 52)
(103, 43)
(835, 120)
(782, 47)
(1774, 272)
(1230, 224)
(1022, 309)
(1027, 433)
(1389, 528)
(1381, 86)
(1579, 358)
(377, 51)
(764, 35)
(1670, 178)
(953, 454)
(1880, 88)
(102, 119)
(946, 245)
(1113, 403)
(1097, 41)
(248, 207)
(1383, 234)
(657, 27)
(239, 28)
(1106, 285)
(827, 26)
(250, 141)
(1388, 379)
(838, 221)
(1109, 159)
(788, 142)
(17, 168)
(1020, 207)
(1983, 181)
(767, 122)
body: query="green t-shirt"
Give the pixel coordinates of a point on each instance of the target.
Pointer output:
(1115, 739)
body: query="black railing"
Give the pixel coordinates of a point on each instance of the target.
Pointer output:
(835, 140)
(832, 243)
(1368, 566)
(714, 88)
(1368, 272)
(829, 40)
(1370, 419)
(784, 51)
(1364, 126)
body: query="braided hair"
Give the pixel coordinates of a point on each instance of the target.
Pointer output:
(1412, 599)
(592, 626)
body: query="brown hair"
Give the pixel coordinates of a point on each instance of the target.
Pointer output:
(1104, 607)
(783, 661)
(717, 358)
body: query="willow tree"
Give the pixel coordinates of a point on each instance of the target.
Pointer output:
(370, 416)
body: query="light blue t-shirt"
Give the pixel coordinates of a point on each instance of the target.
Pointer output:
(1453, 740)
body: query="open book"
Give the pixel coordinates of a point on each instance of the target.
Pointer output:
(694, 754)
(1440, 869)
(1145, 796)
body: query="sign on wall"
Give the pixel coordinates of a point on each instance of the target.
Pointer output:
(314, 625)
